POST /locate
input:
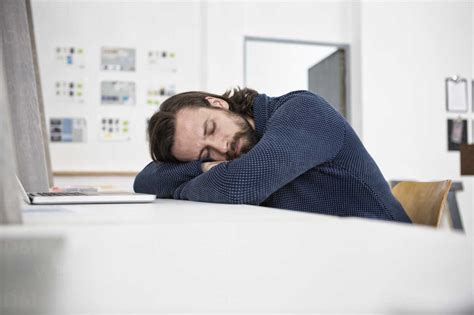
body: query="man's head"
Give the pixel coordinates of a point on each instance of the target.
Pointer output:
(197, 125)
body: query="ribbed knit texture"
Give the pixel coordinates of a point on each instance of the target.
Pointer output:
(308, 158)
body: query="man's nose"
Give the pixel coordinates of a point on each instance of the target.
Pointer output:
(219, 144)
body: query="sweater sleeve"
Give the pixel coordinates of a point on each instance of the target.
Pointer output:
(162, 179)
(302, 133)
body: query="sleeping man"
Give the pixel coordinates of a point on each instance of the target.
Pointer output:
(292, 152)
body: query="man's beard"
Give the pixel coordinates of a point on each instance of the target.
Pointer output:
(247, 137)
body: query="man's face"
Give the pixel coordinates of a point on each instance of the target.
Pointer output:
(210, 132)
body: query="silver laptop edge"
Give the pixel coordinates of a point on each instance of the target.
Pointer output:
(86, 198)
(24, 195)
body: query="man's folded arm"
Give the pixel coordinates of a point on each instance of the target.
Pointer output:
(162, 179)
(300, 135)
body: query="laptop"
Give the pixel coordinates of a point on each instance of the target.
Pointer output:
(60, 198)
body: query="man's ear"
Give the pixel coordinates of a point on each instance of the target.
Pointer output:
(217, 102)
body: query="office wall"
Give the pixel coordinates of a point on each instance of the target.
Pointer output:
(407, 50)
(228, 22)
(90, 25)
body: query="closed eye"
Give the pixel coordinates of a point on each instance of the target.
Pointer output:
(213, 127)
(209, 129)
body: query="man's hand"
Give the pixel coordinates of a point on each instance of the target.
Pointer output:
(206, 166)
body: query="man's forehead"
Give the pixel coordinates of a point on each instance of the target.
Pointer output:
(191, 111)
(189, 118)
(189, 125)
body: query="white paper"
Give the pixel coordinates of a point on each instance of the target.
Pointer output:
(457, 130)
(457, 96)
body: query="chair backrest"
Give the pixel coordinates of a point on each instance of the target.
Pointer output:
(424, 202)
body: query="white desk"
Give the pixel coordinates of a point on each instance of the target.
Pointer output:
(196, 257)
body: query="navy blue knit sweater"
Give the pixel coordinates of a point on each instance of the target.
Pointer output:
(308, 158)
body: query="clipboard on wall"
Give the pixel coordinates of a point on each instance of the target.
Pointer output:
(456, 94)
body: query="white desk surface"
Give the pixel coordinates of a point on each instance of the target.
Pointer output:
(173, 256)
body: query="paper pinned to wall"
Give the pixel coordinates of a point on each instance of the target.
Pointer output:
(457, 133)
(456, 94)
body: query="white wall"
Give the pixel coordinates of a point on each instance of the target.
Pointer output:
(407, 50)
(91, 25)
(229, 22)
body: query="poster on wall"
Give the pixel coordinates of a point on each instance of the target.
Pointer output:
(70, 57)
(114, 129)
(456, 94)
(163, 61)
(457, 133)
(67, 129)
(70, 92)
(117, 59)
(157, 93)
(117, 93)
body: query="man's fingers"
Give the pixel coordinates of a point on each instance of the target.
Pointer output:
(206, 166)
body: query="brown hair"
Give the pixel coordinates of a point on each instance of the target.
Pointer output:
(162, 124)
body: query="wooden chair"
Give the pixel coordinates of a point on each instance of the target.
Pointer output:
(424, 202)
